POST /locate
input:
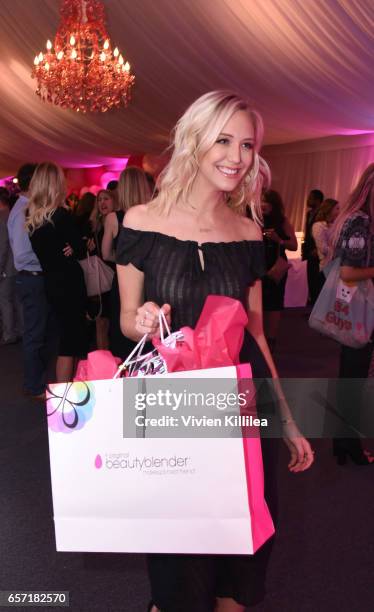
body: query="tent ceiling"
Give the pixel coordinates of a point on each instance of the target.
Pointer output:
(307, 66)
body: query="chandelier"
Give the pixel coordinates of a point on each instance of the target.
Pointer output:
(79, 70)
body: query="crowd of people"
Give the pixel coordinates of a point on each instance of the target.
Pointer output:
(45, 246)
(213, 226)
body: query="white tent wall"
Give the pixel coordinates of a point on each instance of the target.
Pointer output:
(332, 164)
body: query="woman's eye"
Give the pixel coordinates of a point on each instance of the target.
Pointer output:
(222, 140)
(248, 145)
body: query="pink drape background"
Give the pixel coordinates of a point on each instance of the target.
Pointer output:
(332, 164)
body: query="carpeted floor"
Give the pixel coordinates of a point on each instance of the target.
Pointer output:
(324, 553)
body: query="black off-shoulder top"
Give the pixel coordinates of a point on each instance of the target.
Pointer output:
(173, 273)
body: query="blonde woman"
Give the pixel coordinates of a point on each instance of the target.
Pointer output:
(58, 246)
(191, 241)
(104, 205)
(321, 228)
(133, 189)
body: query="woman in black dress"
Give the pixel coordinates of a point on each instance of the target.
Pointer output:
(279, 235)
(193, 240)
(133, 189)
(99, 305)
(58, 245)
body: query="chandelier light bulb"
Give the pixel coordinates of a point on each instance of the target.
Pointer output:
(72, 40)
(102, 56)
(106, 45)
(41, 56)
(120, 60)
(60, 55)
(49, 45)
(36, 60)
(116, 52)
(74, 54)
(127, 67)
(46, 66)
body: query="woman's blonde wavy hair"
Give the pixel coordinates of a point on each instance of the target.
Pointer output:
(194, 134)
(133, 188)
(361, 198)
(47, 192)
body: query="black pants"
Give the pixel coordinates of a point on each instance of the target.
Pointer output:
(36, 313)
(354, 364)
(314, 281)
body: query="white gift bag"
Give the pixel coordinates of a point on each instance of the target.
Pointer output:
(160, 495)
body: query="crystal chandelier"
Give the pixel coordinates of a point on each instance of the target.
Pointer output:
(80, 70)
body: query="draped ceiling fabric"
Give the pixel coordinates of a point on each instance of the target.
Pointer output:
(306, 64)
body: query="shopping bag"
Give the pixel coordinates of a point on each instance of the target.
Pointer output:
(344, 311)
(163, 495)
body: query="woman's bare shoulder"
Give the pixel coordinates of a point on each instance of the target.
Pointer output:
(250, 229)
(138, 217)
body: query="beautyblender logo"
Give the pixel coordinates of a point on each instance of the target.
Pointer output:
(98, 462)
(69, 406)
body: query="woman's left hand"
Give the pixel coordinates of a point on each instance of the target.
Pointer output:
(90, 245)
(302, 455)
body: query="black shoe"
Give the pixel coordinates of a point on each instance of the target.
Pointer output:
(353, 450)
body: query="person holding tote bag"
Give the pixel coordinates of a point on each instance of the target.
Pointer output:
(352, 239)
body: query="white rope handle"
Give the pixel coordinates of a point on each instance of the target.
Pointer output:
(163, 322)
(136, 354)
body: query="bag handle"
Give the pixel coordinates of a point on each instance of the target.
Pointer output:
(136, 354)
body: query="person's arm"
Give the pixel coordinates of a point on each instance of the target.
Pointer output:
(354, 255)
(348, 274)
(137, 318)
(110, 232)
(291, 243)
(4, 246)
(71, 236)
(320, 236)
(299, 447)
(301, 452)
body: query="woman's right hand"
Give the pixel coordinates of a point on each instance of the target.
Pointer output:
(147, 318)
(67, 250)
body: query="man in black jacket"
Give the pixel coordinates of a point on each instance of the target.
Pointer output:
(309, 250)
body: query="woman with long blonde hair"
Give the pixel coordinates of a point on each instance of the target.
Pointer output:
(58, 246)
(193, 240)
(352, 239)
(132, 189)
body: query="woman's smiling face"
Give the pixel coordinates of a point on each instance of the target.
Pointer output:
(229, 159)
